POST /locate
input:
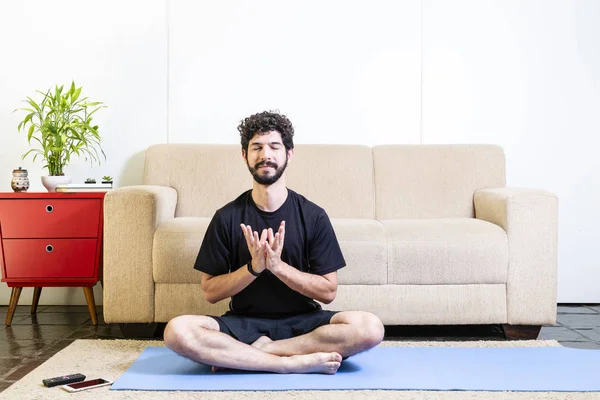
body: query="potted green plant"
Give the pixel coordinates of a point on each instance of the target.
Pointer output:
(107, 179)
(61, 124)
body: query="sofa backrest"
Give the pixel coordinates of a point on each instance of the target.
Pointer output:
(338, 178)
(433, 181)
(206, 176)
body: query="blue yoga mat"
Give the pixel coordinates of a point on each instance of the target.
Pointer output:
(394, 368)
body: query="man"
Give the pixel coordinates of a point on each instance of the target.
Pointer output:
(272, 251)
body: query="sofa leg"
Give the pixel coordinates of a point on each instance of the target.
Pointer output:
(138, 330)
(521, 332)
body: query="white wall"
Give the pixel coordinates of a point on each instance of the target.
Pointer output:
(116, 50)
(523, 74)
(345, 72)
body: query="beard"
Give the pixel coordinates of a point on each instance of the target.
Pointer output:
(266, 179)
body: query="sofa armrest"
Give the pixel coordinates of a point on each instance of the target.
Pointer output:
(530, 219)
(131, 215)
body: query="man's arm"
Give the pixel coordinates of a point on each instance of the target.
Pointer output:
(217, 288)
(319, 287)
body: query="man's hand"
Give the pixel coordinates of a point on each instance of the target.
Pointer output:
(273, 247)
(256, 247)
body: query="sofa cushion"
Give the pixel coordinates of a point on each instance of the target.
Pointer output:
(363, 243)
(176, 245)
(434, 181)
(364, 246)
(173, 299)
(446, 251)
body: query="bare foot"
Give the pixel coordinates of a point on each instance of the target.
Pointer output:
(320, 363)
(261, 342)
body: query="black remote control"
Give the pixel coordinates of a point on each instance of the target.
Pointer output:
(63, 380)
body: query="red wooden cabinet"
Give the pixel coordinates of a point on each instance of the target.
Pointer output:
(51, 239)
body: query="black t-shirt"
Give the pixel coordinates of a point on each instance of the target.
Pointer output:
(310, 245)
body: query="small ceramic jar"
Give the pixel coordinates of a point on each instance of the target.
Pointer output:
(20, 181)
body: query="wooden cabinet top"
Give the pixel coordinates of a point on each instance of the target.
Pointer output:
(51, 195)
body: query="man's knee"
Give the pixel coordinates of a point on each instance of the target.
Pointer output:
(368, 329)
(186, 330)
(372, 330)
(176, 332)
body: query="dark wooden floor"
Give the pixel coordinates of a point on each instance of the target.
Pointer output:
(32, 339)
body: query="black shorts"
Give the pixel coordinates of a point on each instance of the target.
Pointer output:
(248, 329)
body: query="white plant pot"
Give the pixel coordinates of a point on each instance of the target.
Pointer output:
(50, 182)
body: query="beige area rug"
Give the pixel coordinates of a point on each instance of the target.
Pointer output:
(111, 358)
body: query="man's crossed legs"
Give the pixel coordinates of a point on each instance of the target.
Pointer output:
(320, 351)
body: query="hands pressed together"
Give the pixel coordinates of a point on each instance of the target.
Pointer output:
(266, 249)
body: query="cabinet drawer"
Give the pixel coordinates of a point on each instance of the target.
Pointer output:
(50, 218)
(49, 258)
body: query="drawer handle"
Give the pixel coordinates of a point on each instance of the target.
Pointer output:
(49, 208)
(49, 248)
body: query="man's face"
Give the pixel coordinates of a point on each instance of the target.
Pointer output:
(266, 158)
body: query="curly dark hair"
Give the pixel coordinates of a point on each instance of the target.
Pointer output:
(263, 122)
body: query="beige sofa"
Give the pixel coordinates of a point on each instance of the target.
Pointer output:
(430, 233)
